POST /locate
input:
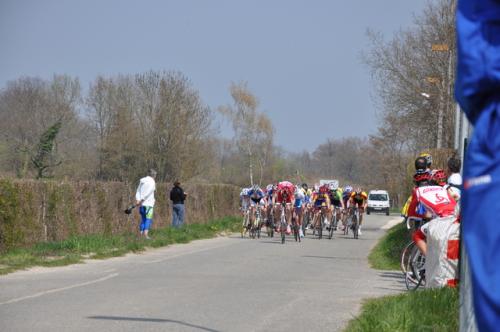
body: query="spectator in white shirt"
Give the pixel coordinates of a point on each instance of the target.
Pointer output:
(454, 177)
(145, 198)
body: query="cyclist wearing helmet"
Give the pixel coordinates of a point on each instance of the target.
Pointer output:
(307, 210)
(270, 191)
(345, 198)
(428, 160)
(245, 203)
(257, 200)
(307, 193)
(284, 195)
(336, 199)
(440, 178)
(244, 199)
(299, 207)
(321, 201)
(429, 201)
(358, 200)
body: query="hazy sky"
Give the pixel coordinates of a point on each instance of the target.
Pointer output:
(300, 58)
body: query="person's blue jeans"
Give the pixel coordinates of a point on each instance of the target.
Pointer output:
(178, 215)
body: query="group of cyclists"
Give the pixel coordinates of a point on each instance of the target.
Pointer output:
(306, 208)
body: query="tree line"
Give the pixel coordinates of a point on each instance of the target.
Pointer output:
(124, 124)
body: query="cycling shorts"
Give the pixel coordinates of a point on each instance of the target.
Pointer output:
(257, 200)
(319, 203)
(262, 203)
(358, 203)
(298, 203)
(418, 235)
(279, 198)
(245, 204)
(337, 203)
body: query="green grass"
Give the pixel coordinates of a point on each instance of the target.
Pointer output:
(427, 310)
(387, 253)
(395, 209)
(75, 249)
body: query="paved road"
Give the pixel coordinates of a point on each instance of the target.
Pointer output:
(221, 284)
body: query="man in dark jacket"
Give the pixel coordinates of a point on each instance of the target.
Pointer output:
(177, 196)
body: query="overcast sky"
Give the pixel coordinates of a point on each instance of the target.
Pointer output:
(300, 58)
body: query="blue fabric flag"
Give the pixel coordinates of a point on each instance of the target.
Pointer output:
(478, 92)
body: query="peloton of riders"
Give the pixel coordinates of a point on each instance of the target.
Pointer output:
(327, 199)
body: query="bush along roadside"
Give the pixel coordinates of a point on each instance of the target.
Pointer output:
(426, 310)
(387, 253)
(98, 246)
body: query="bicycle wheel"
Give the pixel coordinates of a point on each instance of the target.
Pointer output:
(298, 233)
(295, 229)
(244, 225)
(355, 226)
(405, 255)
(333, 225)
(347, 225)
(415, 270)
(321, 225)
(270, 225)
(305, 221)
(283, 230)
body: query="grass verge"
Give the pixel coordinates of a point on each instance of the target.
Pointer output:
(387, 253)
(427, 310)
(75, 249)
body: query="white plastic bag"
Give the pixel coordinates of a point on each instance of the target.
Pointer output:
(441, 261)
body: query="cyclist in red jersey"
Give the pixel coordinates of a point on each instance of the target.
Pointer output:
(285, 191)
(430, 202)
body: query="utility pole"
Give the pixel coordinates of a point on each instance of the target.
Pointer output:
(442, 102)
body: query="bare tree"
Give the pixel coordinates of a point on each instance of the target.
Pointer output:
(413, 76)
(28, 107)
(253, 130)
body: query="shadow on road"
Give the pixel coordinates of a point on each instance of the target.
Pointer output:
(393, 275)
(153, 320)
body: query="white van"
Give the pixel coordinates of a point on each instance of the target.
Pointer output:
(378, 201)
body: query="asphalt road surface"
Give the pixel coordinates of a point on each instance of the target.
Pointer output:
(221, 284)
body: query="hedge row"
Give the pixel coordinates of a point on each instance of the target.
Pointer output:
(36, 211)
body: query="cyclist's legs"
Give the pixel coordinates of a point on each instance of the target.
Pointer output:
(288, 213)
(361, 210)
(252, 212)
(420, 241)
(300, 212)
(316, 216)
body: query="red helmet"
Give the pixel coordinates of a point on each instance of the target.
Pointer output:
(421, 176)
(323, 189)
(439, 177)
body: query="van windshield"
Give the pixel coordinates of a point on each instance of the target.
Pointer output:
(378, 197)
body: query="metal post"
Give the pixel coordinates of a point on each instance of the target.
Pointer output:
(458, 120)
(467, 317)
